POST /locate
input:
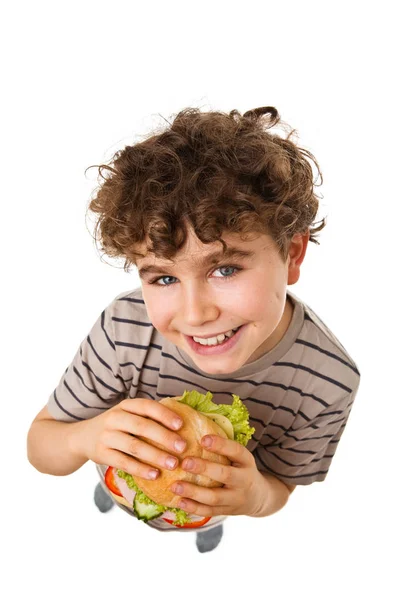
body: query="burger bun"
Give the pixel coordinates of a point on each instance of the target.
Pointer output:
(195, 426)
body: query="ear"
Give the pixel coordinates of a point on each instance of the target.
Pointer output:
(297, 252)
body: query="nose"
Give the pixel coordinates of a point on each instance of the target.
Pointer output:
(198, 306)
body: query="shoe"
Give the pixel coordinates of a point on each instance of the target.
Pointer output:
(208, 540)
(102, 500)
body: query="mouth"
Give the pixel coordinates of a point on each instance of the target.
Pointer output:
(217, 344)
(214, 340)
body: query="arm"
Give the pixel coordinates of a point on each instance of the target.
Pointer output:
(111, 438)
(51, 445)
(275, 494)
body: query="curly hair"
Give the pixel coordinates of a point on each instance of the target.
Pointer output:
(211, 171)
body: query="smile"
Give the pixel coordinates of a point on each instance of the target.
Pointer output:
(215, 345)
(213, 341)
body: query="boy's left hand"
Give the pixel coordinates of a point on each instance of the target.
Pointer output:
(244, 487)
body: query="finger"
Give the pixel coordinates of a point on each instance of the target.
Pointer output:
(150, 430)
(152, 409)
(203, 510)
(236, 453)
(203, 495)
(225, 474)
(146, 453)
(122, 461)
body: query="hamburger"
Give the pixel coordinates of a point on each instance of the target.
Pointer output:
(152, 499)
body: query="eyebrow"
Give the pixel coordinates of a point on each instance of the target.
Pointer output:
(210, 260)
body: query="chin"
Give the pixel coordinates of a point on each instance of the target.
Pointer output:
(212, 368)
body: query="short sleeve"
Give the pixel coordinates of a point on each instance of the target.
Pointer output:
(303, 456)
(92, 383)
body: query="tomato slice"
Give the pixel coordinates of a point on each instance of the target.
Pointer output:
(191, 525)
(110, 482)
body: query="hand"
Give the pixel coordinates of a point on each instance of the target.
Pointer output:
(112, 438)
(244, 491)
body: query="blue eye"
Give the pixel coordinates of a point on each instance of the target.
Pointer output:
(165, 283)
(229, 274)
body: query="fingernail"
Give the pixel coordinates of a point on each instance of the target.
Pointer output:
(178, 488)
(180, 445)
(188, 464)
(182, 504)
(176, 423)
(171, 462)
(153, 474)
(207, 441)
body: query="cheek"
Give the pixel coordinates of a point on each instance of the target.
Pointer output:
(257, 296)
(159, 311)
(261, 302)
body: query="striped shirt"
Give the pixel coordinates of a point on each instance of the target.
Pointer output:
(299, 395)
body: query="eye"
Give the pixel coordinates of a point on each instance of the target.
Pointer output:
(163, 281)
(228, 271)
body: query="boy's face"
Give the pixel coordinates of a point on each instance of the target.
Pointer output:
(202, 293)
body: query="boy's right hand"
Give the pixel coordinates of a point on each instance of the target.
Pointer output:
(111, 438)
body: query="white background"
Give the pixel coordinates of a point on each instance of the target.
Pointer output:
(80, 82)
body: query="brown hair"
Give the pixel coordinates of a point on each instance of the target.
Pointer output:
(212, 171)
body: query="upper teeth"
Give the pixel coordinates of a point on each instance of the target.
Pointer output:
(215, 340)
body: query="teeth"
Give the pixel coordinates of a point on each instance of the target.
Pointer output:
(214, 341)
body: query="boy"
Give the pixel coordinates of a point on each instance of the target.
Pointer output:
(216, 213)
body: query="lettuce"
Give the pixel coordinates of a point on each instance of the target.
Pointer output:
(236, 412)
